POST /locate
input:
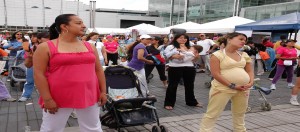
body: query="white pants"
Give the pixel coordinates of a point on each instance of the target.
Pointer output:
(88, 119)
(143, 81)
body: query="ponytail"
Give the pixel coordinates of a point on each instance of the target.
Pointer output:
(53, 32)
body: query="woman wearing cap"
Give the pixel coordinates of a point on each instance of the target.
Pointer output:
(138, 59)
(111, 50)
(286, 56)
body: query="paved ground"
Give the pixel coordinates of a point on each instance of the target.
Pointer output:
(15, 116)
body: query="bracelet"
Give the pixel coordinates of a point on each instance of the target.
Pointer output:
(232, 86)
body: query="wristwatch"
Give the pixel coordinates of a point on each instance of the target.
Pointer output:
(232, 86)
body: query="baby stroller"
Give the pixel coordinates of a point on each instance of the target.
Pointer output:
(18, 70)
(265, 105)
(126, 104)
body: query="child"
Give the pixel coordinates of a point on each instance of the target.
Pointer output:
(191, 53)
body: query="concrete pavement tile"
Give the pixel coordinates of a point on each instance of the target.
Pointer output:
(226, 124)
(182, 129)
(296, 108)
(148, 126)
(250, 125)
(13, 107)
(188, 122)
(191, 128)
(131, 129)
(3, 118)
(193, 116)
(3, 126)
(72, 122)
(12, 126)
(30, 107)
(39, 115)
(145, 131)
(173, 129)
(4, 109)
(22, 117)
(196, 126)
(172, 124)
(139, 128)
(221, 128)
(31, 115)
(21, 126)
(34, 125)
(278, 129)
(260, 130)
(13, 117)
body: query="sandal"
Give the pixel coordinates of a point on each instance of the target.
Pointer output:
(168, 107)
(198, 105)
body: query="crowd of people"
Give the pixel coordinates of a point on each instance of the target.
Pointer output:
(54, 68)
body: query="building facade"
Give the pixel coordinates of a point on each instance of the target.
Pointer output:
(35, 15)
(202, 11)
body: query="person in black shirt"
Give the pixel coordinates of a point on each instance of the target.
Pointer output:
(159, 61)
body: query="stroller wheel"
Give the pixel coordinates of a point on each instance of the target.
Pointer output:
(156, 129)
(163, 128)
(207, 84)
(266, 106)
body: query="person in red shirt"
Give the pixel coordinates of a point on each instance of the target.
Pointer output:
(266, 42)
(69, 77)
(111, 50)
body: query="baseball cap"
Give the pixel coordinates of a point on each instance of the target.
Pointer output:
(108, 36)
(145, 36)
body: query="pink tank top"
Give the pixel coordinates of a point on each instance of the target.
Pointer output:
(72, 78)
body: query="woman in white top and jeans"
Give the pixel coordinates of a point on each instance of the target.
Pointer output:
(92, 38)
(180, 69)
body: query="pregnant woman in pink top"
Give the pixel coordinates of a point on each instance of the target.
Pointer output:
(68, 75)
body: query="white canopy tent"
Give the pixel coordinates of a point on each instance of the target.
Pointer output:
(226, 25)
(89, 30)
(146, 29)
(188, 26)
(111, 31)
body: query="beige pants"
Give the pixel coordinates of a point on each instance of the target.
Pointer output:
(216, 105)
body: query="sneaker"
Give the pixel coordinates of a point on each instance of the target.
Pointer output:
(290, 85)
(73, 115)
(271, 79)
(10, 99)
(22, 99)
(259, 74)
(273, 87)
(294, 101)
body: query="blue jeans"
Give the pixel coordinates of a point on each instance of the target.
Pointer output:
(268, 64)
(29, 85)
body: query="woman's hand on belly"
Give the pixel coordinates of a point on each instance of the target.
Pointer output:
(241, 88)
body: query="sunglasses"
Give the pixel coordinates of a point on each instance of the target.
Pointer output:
(18, 34)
